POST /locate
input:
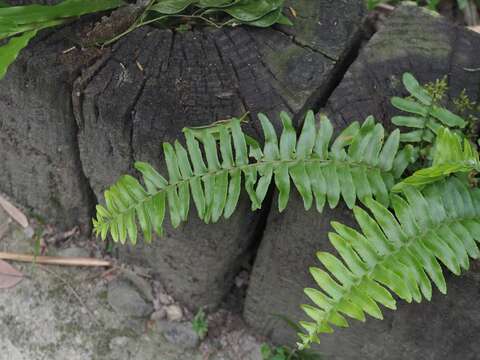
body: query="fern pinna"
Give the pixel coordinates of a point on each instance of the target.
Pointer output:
(452, 154)
(357, 164)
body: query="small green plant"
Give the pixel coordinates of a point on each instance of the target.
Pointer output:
(470, 111)
(285, 353)
(453, 155)
(425, 115)
(19, 24)
(418, 211)
(200, 324)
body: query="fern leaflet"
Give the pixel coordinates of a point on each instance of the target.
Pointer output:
(452, 154)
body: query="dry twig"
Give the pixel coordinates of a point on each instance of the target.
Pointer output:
(56, 260)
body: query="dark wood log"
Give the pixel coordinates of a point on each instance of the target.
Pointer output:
(40, 159)
(143, 91)
(430, 47)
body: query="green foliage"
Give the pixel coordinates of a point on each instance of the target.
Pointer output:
(10, 51)
(406, 231)
(396, 252)
(21, 23)
(452, 154)
(470, 111)
(437, 89)
(260, 13)
(435, 218)
(200, 324)
(425, 115)
(285, 353)
(357, 165)
(217, 13)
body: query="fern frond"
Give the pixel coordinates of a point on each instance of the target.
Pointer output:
(425, 116)
(218, 158)
(452, 154)
(395, 253)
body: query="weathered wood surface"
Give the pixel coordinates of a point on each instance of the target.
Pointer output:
(412, 40)
(71, 123)
(143, 91)
(41, 166)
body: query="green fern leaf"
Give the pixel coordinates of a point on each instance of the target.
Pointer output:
(452, 154)
(37, 14)
(425, 116)
(397, 252)
(217, 158)
(10, 51)
(259, 13)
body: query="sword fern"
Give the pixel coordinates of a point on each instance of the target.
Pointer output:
(217, 159)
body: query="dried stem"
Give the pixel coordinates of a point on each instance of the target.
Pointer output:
(56, 260)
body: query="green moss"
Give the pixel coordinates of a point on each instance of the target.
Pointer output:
(48, 350)
(281, 64)
(103, 295)
(68, 330)
(102, 347)
(56, 292)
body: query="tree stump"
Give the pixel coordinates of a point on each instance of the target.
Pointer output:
(425, 44)
(107, 109)
(41, 167)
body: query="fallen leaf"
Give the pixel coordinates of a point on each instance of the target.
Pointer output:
(9, 276)
(293, 11)
(14, 213)
(149, 326)
(4, 227)
(475, 28)
(385, 8)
